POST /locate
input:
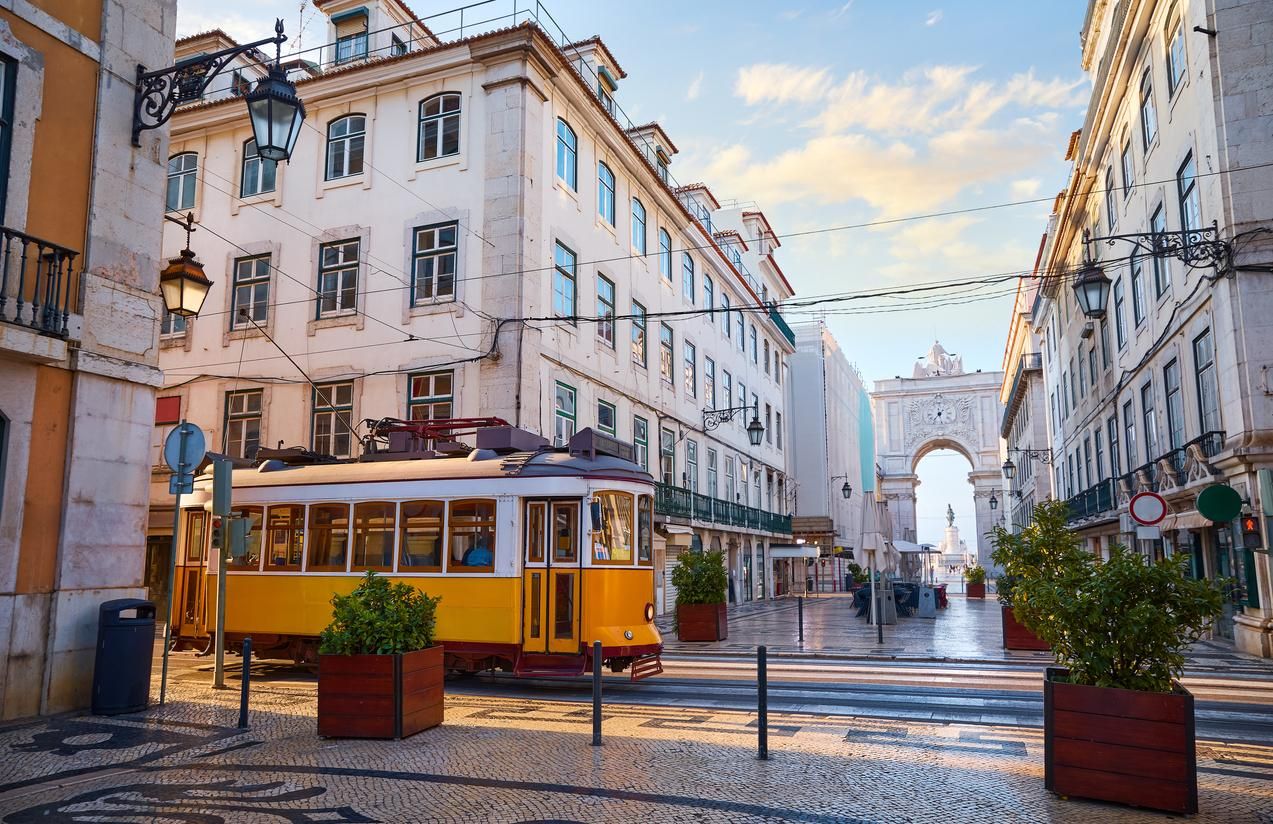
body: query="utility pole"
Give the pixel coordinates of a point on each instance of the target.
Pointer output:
(221, 488)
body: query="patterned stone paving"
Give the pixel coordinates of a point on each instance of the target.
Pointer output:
(505, 759)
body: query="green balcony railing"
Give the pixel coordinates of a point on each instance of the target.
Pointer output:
(676, 502)
(781, 323)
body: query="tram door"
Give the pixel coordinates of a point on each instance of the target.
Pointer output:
(552, 578)
(189, 577)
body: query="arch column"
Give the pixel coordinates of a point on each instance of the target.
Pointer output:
(984, 484)
(899, 493)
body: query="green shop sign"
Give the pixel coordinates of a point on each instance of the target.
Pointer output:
(1219, 503)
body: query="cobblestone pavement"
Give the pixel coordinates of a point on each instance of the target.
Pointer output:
(502, 759)
(969, 629)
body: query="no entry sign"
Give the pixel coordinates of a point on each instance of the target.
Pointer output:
(1147, 508)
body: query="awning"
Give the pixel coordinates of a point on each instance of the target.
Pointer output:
(793, 551)
(677, 536)
(907, 546)
(1189, 519)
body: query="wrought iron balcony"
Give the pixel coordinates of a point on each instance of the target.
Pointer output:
(781, 323)
(1093, 501)
(676, 502)
(1152, 477)
(35, 283)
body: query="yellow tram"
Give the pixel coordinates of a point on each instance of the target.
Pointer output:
(536, 552)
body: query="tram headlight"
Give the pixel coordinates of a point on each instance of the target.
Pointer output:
(649, 613)
(627, 633)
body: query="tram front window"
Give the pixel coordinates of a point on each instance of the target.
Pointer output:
(615, 544)
(645, 530)
(421, 544)
(472, 538)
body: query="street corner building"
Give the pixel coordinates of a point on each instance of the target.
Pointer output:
(472, 227)
(1157, 380)
(79, 301)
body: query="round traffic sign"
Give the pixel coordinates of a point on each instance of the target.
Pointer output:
(1147, 508)
(184, 448)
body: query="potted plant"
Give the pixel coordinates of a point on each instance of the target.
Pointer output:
(1117, 724)
(1019, 558)
(976, 582)
(379, 672)
(699, 578)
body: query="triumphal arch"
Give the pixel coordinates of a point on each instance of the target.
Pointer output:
(939, 407)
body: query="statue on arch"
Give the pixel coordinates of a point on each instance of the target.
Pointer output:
(950, 515)
(938, 362)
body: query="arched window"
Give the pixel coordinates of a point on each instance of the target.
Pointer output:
(605, 193)
(345, 138)
(1175, 56)
(182, 170)
(258, 172)
(439, 130)
(567, 155)
(687, 277)
(665, 255)
(638, 226)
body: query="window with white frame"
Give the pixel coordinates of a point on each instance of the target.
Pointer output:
(345, 139)
(250, 299)
(1115, 458)
(243, 423)
(1138, 293)
(605, 310)
(1129, 434)
(607, 418)
(1187, 189)
(667, 456)
(1175, 398)
(731, 493)
(778, 429)
(665, 255)
(172, 326)
(438, 132)
(331, 421)
(690, 353)
(769, 424)
(1162, 270)
(665, 353)
(1120, 323)
(638, 226)
(605, 193)
(755, 353)
(691, 465)
(431, 396)
(182, 171)
(711, 473)
(766, 353)
(337, 278)
(259, 174)
(1204, 364)
(1175, 56)
(433, 264)
(726, 388)
(709, 382)
(351, 47)
(567, 155)
(725, 315)
(1111, 212)
(1148, 114)
(638, 335)
(742, 332)
(563, 414)
(687, 277)
(564, 283)
(1151, 420)
(1129, 171)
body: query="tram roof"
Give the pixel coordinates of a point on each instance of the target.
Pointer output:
(546, 464)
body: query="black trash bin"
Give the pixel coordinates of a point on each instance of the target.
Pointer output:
(125, 646)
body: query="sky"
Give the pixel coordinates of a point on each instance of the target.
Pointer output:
(833, 114)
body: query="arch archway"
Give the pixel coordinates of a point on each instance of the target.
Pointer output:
(941, 407)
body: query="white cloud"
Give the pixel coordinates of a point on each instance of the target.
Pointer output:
(843, 10)
(791, 14)
(1026, 188)
(695, 88)
(780, 83)
(192, 20)
(933, 18)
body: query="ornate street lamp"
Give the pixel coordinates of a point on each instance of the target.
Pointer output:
(1091, 287)
(994, 502)
(755, 430)
(1009, 469)
(846, 490)
(713, 418)
(273, 107)
(183, 283)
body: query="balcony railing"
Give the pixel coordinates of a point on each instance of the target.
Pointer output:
(35, 283)
(781, 323)
(676, 502)
(1030, 362)
(1103, 497)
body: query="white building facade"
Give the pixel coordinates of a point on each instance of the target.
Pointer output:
(835, 445)
(472, 229)
(1168, 393)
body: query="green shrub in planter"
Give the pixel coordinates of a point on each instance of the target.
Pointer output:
(1122, 623)
(699, 578)
(380, 618)
(975, 575)
(1028, 554)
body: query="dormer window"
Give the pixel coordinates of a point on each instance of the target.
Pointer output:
(606, 100)
(396, 47)
(351, 47)
(239, 84)
(660, 163)
(606, 86)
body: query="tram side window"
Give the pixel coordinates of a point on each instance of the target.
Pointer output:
(536, 514)
(250, 560)
(565, 522)
(472, 536)
(421, 537)
(285, 528)
(613, 544)
(645, 530)
(196, 537)
(373, 536)
(328, 538)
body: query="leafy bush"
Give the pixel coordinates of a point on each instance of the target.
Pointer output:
(699, 578)
(975, 574)
(1032, 554)
(380, 618)
(1123, 623)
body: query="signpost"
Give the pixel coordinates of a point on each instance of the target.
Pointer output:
(1147, 508)
(184, 449)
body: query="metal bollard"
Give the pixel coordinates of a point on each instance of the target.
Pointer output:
(596, 693)
(244, 683)
(800, 611)
(762, 705)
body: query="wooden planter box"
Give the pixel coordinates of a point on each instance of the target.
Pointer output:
(701, 622)
(1016, 636)
(379, 696)
(975, 590)
(1117, 745)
